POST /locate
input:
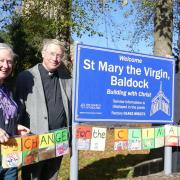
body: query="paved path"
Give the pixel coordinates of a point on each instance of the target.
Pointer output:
(159, 176)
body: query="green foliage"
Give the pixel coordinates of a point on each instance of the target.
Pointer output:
(41, 19)
(4, 37)
(23, 45)
(149, 3)
(84, 17)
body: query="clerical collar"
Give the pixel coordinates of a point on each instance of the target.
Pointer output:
(50, 74)
(45, 72)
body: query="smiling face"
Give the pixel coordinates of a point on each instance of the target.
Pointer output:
(52, 57)
(6, 64)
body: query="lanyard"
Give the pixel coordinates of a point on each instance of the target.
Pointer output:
(8, 105)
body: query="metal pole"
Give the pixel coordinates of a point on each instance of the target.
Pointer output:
(74, 152)
(74, 155)
(167, 160)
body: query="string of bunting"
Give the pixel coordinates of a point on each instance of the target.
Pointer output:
(22, 151)
(25, 150)
(93, 138)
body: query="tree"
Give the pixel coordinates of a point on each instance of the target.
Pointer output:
(160, 19)
(59, 18)
(8, 7)
(163, 30)
(39, 19)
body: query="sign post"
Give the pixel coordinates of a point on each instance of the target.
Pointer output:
(74, 151)
(167, 160)
(122, 87)
(74, 155)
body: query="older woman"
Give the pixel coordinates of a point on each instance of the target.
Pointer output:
(8, 107)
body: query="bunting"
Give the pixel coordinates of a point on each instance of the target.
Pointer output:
(128, 138)
(22, 151)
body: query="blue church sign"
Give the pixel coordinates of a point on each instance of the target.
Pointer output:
(118, 86)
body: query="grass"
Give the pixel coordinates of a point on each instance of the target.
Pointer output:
(104, 165)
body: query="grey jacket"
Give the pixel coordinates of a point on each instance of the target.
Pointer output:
(31, 99)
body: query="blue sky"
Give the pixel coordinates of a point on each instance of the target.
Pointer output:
(142, 47)
(126, 29)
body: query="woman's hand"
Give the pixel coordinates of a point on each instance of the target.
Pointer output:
(22, 130)
(3, 136)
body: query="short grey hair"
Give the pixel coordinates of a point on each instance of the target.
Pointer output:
(47, 42)
(7, 47)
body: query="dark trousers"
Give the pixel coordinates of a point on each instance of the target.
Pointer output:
(8, 174)
(43, 170)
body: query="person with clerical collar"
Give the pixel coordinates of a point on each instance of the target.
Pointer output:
(44, 95)
(8, 109)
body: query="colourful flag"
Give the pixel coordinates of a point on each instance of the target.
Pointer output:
(171, 135)
(62, 142)
(159, 136)
(83, 135)
(121, 139)
(134, 139)
(147, 138)
(98, 139)
(11, 153)
(30, 149)
(46, 146)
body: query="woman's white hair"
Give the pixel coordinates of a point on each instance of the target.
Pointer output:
(7, 47)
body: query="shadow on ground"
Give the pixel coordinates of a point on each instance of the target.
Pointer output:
(121, 166)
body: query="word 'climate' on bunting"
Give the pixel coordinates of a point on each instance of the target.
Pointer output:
(22, 151)
(128, 138)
